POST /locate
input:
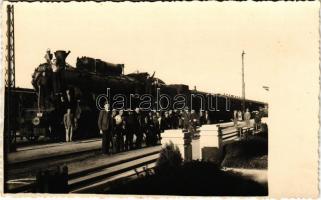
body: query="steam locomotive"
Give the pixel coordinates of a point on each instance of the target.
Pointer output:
(57, 85)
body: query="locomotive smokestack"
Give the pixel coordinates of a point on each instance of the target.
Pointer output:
(61, 57)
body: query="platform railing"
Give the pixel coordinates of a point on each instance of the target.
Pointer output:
(237, 133)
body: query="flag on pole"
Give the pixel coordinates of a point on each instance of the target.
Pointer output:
(266, 88)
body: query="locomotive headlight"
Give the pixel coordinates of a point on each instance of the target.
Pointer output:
(36, 121)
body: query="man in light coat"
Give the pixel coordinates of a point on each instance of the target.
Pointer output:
(69, 122)
(247, 117)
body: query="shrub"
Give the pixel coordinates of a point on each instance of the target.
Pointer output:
(169, 159)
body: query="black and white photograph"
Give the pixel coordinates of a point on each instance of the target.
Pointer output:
(148, 98)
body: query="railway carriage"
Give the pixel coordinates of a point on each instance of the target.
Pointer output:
(42, 113)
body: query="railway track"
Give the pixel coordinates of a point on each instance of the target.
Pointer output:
(92, 174)
(102, 176)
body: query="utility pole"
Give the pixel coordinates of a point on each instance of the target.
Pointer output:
(10, 82)
(9, 129)
(10, 71)
(243, 83)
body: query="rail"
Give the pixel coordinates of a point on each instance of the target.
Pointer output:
(231, 133)
(97, 176)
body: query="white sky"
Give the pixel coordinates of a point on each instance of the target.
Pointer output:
(194, 43)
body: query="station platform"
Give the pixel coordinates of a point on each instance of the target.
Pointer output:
(83, 171)
(42, 151)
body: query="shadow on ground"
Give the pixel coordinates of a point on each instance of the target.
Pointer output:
(200, 178)
(250, 153)
(195, 178)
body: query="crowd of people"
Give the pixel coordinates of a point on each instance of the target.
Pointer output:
(239, 116)
(125, 130)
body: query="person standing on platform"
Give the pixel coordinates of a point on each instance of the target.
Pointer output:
(105, 125)
(149, 127)
(58, 121)
(186, 119)
(175, 119)
(167, 121)
(247, 117)
(113, 135)
(194, 121)
(130, 129)
(138, 128)
(160, 119)
(157, 131)
(125, 131)
(207, 117)
(180, 119)
(171, 119)
(235, 117)
(261, 113)
(78, 126)
(119, 131)
(256, 121)
(239, 115)
(260, 116)
(69, 122)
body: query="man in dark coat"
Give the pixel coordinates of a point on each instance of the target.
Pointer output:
(139, 123)
(130, 130)
(175, 119)
(120, 125)
(105, 125)
(156, 132)
(167, 121)
(186, 119)
(149, 128)
(194, 120)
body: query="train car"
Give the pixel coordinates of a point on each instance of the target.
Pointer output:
(58, 85)
(26, 121)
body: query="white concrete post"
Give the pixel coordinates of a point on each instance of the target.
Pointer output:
(176, 136)
(196, 151)
(208, 137)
